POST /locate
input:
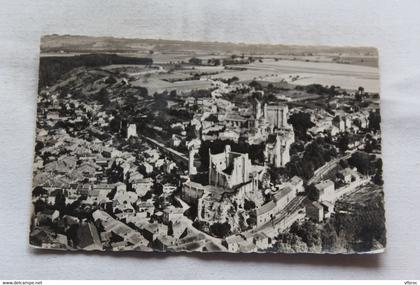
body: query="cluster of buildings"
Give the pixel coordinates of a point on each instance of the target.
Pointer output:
(338, 123)
(82, 168)
(256, 124)
(329, 190)
(233, 180)
(112, 188)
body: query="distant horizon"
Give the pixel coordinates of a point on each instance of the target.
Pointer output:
(75, 43)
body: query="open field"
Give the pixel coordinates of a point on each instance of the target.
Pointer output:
(154, 84)
(304, 73)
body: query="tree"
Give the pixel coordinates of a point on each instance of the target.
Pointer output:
(147, 196)
(362, 162)
(329, 238)
(72, 234)
(38, 146)
(256, 85)
(251, 221)
(372, 144)
(110, 80)
(249, 205)
(103, 97)
(161, 102)
(220, 230)
(116, 173)
(359, 94)
(38, 191)
(158, 189)
(301, 122)
(115, 125)
(343, 142)
(377, 179)
(234, 78)
(316, 89)
(40, 205)
(375, 121)
(60, 200)
(295, 228)
(111, 194)
(312, 192)
(343, 163)
(172, 94)
(300, 167)
(214, 61)
(357, 122)
(308, 232)
(333, 90)
(170, 229)
(195, 61)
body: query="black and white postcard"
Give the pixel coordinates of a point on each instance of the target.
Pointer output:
(160, 145)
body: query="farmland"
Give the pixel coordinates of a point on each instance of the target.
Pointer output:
(304, 73)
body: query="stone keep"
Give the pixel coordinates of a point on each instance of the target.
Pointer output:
(276, 115)
(131, 131)
(228, 169)
(277, 149)
(193, 148)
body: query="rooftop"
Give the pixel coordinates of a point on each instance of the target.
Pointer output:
(282, 193)
(296, 180)
(324, 184)
(260, 236)
(234, 239)
(317, 205)
(347, 171)
(234, 117)
(266, 208)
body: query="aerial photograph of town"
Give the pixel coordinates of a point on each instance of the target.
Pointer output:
(178, 146)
